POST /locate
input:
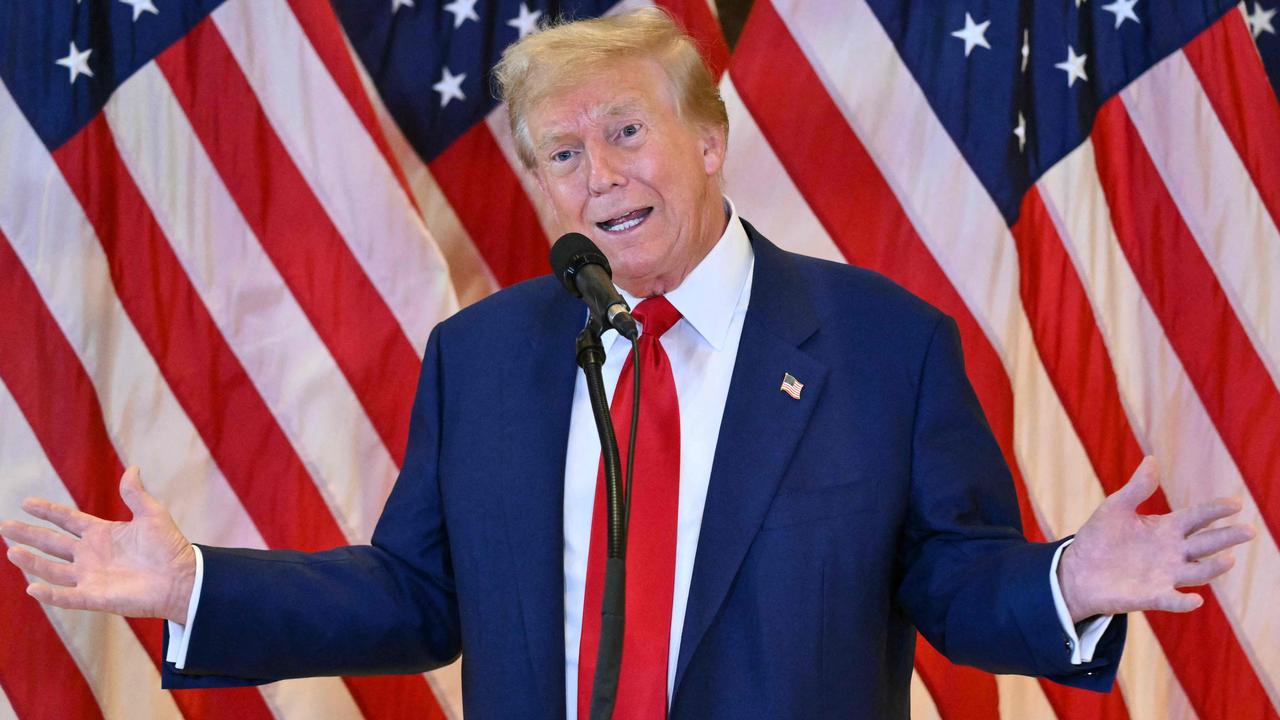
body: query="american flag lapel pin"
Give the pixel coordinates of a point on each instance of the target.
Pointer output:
(791, 386)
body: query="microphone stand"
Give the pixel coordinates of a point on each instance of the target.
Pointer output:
(604, 690)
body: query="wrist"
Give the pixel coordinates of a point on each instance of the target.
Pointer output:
(1068, 583)
(182, 586)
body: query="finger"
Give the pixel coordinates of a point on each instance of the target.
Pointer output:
(1202, 571)
(1208, 542)
(47, 541)
(135, 496)
(58, 573)
(1174, 601)
(1190, 519)
(1141, 486)
(67, 518)
(63, 597)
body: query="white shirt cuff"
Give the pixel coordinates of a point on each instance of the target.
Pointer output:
(1081, 641)
(178, 635)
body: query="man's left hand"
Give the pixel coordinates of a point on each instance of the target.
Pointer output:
(1124, 562)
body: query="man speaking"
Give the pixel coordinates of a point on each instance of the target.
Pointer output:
(814, 476)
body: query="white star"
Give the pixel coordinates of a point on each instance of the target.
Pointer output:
(1123, 10)
(463, 10)
(1260, 20)
(141, 6)
(973, 34)
(397, 4)
(527, 21)
(1021, 131)
(450, 87)
(77, 62)
(1026, 49)
(1073, 66)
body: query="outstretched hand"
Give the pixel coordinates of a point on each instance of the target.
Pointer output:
(141, 568)
(1123, 562)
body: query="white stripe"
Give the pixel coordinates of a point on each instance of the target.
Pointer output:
(6, 709)
(963, 231)
(763, 190)
(922, 705)
(1059, 505)
(1150, 688)
(340, 161)
(498, 126)
(961, 228)
(446, 684)
(472, 281)
(471, 277)
(289, 364)
(1215, 196)
(936, 186)
(1022, 697)
(124, 681)
(57, 246)
(1162, 405)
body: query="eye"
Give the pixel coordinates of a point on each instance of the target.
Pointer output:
(631, 130)
(562, 156)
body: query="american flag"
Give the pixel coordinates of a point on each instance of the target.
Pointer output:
(226, 228)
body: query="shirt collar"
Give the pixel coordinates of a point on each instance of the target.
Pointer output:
(709, 295)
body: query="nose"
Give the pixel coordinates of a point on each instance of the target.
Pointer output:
(604, 169)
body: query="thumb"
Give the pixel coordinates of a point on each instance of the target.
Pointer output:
(134, 495)
(1141, 486)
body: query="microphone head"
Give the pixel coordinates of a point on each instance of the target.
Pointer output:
(570, 253)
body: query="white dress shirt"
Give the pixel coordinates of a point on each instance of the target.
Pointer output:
(702, 348)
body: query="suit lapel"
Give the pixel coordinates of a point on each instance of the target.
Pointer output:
(537, 398)
(758, 434)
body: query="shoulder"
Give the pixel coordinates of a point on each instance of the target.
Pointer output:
(510, 318)
(840, 294)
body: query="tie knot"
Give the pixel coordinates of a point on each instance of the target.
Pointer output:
(657, 315)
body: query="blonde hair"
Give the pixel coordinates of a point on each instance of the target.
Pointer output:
(560, 56)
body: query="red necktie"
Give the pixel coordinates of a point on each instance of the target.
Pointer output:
(651, 539)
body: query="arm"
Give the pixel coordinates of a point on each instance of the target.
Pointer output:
(385, 608)
(974, 587)
(266, 615)
(969, 579)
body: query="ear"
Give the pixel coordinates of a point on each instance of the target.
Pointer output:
(713, 143)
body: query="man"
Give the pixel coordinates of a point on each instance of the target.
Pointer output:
(810, 530)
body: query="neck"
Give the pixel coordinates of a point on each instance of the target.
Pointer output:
(712, 225)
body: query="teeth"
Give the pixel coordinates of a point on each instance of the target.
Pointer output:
(627, 225)
(619, 225)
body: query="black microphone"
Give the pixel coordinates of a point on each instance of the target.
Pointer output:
(586, 274)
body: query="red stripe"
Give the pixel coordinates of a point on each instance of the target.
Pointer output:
(829, 165)
(1235, 81)
(959, 692)
(1227, 373)
(321, 26)
(33, 658)
(1080, 369)
(206, 378)
(35, 358)
(697, 19)
(324, 277)
(478, 181)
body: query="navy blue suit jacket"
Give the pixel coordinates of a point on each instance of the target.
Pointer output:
(835, 525)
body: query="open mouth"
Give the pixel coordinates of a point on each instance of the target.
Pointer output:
(622, 223)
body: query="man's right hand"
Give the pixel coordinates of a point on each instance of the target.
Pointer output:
(141, 568)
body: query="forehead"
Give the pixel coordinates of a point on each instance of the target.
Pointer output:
(622, 88)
